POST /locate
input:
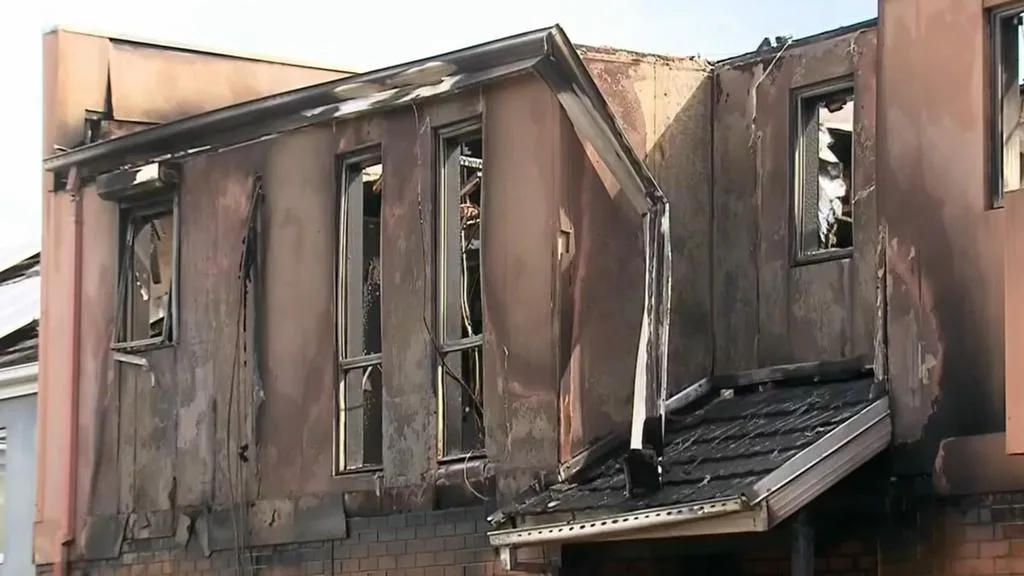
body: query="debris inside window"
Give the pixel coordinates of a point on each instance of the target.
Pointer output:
(145, 278)
(1008, 154)
(461, 302)
(360, 418)
(825, 172)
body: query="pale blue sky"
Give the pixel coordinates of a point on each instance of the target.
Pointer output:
(367, 35)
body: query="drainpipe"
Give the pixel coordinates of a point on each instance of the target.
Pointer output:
(67, 525)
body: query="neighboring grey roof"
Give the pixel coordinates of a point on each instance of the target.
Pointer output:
(14, 251)
(19, 295)
(19, 309)
(20, 347)
(548, 52)
(720, 450)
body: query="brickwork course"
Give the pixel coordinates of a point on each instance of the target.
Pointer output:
(973, 536)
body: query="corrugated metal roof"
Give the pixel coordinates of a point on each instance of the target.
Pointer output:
(19, 302)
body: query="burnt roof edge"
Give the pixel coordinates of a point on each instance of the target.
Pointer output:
(782, 492)
(757, 55)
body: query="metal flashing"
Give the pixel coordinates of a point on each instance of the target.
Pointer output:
(136, 182)
(615, 524)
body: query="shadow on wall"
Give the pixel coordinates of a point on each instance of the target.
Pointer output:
(664, 108)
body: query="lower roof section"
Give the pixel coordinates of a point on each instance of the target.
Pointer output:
(737, 459)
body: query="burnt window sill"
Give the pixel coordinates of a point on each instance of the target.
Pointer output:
(820, 256)
(142, 346)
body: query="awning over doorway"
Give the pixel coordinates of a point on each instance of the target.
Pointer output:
(743, 452)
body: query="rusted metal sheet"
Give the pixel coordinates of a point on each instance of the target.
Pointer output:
(664, 106)
(1014, 324)
(154, 84)
(523, 152)
(945, 250)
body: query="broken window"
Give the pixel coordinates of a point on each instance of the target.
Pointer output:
(824, 172)
(360, 437)
(1007, 125)
(148, 264)
(460, 310)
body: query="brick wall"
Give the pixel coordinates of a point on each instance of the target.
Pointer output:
(749, 555)
(437, 543)
(986, 535)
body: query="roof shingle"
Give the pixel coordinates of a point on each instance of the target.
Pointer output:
(718, 450)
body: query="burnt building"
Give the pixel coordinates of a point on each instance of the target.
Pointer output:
(528, 308)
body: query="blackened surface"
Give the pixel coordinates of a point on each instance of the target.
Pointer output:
(718, 450)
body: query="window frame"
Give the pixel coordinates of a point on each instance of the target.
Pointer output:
(349, 169)
(800, 96)
(165, 200)
(999, 20)
(444, 180)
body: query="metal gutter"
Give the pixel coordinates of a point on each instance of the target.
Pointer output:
(16, 381)
(614, 524)
(834, 441)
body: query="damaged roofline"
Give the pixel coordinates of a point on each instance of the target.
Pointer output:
(546, 51)
(755, 55)
(765, 504)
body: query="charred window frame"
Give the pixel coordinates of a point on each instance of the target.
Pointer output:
(459, 308)
(823, 159)
(1007, 125)
(360, 437)
(148, 258)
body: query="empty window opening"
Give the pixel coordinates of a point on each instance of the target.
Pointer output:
(146, 275)
(1008, 128)
(460, 310)
(824, 173)
(360, 437)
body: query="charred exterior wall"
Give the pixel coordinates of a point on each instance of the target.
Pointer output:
(945, 247)
(178, 455)
(122, 85)
(769, 309)
(664, 107)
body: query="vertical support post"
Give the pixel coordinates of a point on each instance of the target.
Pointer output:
(802, 553)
